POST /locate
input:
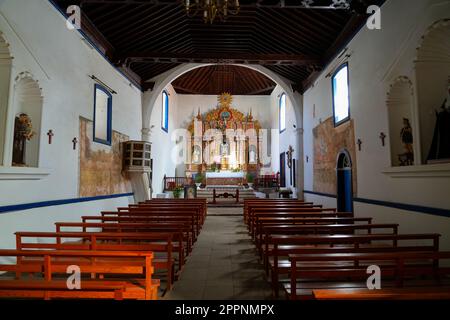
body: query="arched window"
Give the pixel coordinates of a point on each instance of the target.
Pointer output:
(27, 123)
(102, 115)
(165, 112)
(282, 116)
(5, 76)
(341, 95)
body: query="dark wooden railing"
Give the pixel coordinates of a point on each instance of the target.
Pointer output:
(171, 183)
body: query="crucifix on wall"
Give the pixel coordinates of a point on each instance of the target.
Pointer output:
(50, 135)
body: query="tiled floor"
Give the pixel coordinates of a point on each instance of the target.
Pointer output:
(223, 264)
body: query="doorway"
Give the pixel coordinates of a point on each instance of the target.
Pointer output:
(344, 182)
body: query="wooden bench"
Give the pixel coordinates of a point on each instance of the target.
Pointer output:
(182, 206)
(333, 229)
(277, 247)
(269, 202)
(142, 219)
(396, 269)
(146, 242)
(300, 213)
(146, 212)
(261, 221)
(199, 201)
(176, 228)
(414, 293)
(279, 208)
(136, 281)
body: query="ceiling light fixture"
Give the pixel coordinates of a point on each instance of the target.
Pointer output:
(212, 9)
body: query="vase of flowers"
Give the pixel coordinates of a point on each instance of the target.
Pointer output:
(250, 179)
(177, 192)
(198, 180)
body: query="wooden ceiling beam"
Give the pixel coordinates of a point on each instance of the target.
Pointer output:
(238, 58)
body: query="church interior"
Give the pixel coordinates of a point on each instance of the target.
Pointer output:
(225, 150)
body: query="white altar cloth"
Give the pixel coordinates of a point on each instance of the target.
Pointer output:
(224, 174)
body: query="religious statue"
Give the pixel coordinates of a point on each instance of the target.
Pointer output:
(196, 154)
(406, 135)
(224, 148)
(23, 132)
(252, 157)
(440, 147)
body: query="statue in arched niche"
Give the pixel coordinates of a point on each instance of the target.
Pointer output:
(406, 134)
(23, 132)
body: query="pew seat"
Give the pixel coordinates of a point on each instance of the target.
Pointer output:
(413, 293)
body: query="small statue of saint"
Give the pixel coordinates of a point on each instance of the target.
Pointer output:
(406, 134)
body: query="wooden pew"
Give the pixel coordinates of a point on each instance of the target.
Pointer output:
(333, 229)
(261, 221)
(413, 293)
(200, 202)
(142, 219)
(199, 208)
(146, 212)
(397, 269)
(135, 268)
(280, 207)
(298, 213)
(270, 203)
(182, 235)
(115, 241)
(277, 247)
(176, 228)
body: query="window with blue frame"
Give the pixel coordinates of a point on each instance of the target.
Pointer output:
(165, 112)
(102, 115)
(282, 115)
(341, 95)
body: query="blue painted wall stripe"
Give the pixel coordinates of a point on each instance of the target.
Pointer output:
(51, 203)
(402, 206)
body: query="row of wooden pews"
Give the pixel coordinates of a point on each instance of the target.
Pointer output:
(313, 252)
(123, 254)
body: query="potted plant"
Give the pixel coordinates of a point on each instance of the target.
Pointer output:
(250, 179)
(198, 180)
(177, 192)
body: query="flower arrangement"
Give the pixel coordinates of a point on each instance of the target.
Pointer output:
(250, 177)
(26, 127)
(177, 192)
(199, 178)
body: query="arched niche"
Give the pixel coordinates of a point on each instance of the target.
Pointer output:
(5, 76)
(432, 68)
(400, 105)
(27, 103)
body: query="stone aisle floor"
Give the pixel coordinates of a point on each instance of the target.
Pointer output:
(223, 264)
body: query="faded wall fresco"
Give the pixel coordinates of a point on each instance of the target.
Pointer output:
(101, 165)
(328, 142)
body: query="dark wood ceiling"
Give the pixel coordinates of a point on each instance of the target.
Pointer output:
(217, 79)
(148, 37)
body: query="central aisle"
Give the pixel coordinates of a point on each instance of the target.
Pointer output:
(223, 264)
